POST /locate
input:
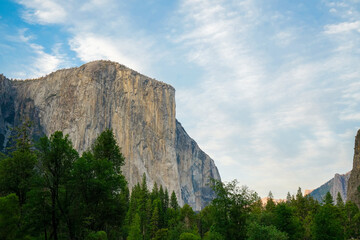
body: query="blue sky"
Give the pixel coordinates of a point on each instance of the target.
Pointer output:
(268, 88)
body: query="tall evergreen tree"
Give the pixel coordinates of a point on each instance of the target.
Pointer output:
(135, 229)
(339, 201)
(56, 157)
(173, 201)
(105, 147)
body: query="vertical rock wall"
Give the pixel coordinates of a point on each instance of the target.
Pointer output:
(196, 169)
(84, 101)
(353, 193)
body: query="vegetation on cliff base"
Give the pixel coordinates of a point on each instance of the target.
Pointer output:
(48, 191)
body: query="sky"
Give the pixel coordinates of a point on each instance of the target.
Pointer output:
(270, 89)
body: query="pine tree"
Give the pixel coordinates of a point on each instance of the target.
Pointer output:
(270, 204)
(328, 199)
(154, 223)
(339, 201)
(105, 147)
(135, 229)
(288, 198)
(155, 192)
(173, 201)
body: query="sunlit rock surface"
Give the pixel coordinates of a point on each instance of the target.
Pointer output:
(84, 101)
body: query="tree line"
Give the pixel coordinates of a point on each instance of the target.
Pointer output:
(48, 191)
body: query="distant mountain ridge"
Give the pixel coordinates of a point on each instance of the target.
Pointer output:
(338, 184)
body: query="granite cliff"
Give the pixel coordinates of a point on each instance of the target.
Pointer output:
(338, 184)
(84, 101)
(354, 180)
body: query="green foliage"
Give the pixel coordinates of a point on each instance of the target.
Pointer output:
(17, 169)
(212, 235)
(232, 207)
(339, 201)
(105, 147)
(135, 230)
(270, 204)
(327, 225)
(100, 235)
(173, 201)
(189, 236)
(352, 221)
(286, 221)
(9, 217)
(260, 232)
(328, 199)
(52, 193)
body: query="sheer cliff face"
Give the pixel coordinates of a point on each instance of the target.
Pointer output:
(354, 181)
(196, 169)
(84, 101)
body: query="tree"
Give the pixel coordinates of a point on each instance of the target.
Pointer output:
(9, 217)
(270, 204)
(154, 222)
(328, 199)
(189, 236)
(173, 201)
(339, 201)
(352, 221)
(232, 207)
(105, 147)
(212, 235)
(288, 197)
(135, 230)
(260, 232)
(100, 235)
(286, 221)
(56, 157)
(102, 193)
(17, 169)
(327, 224)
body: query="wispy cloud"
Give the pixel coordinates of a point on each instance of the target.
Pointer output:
(40, 61)
(342, 27)
(96, 30)
(43, 11)
(251, 107)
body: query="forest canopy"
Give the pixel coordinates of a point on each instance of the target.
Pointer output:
(49, 191)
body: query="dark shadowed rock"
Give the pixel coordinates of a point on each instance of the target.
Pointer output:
(354, 181)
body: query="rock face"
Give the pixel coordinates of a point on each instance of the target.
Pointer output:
(336, 185)
(196, 169)
(84, 101)
(354, 181)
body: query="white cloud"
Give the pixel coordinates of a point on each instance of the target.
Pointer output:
(342, 27)
(93, 47)
(42, 63)
(43, 11)
(96, 30)
(284, 38)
